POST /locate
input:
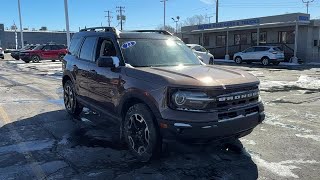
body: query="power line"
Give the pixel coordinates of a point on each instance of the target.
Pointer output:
(109, 17)
(121, 17)
(307, 4)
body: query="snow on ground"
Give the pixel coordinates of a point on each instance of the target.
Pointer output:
(304, 81)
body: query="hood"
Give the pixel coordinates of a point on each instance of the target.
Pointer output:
(200, 75)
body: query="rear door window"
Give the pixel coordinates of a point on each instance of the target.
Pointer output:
(249, 50)
(87, 49)
(47, 48)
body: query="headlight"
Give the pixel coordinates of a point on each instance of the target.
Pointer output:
(189, 100)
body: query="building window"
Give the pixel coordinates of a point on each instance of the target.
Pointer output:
(206, 40)
(262, 37)
(286, 37)
(221, 41)
(240, 39)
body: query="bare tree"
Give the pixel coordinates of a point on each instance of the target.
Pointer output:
(195, 20)
(167, 28)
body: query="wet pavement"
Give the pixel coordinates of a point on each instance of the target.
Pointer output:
(39, 140)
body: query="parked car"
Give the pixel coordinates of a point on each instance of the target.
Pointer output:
(44, 52)
(16, 53)
(263, 54)
(1, 53)
(203, 54)
(157, 89)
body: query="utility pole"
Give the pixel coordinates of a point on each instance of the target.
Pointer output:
(307, 4)
(109, 17)
(164, 14)
(67, 21)
(176, 21)
(217, 11)
(21, 29)
(121, 17)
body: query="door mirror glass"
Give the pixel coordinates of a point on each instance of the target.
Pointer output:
(111, 61)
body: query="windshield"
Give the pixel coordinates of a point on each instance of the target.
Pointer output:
(38, 47)
(153, 52)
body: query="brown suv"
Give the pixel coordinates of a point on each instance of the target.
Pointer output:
(158, 89)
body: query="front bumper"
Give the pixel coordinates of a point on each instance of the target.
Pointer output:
(15, 55)
(199, 130)
(25, 57)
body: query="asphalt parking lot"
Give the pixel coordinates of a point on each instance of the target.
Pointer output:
(40, 141)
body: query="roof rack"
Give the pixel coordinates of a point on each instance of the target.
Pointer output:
(106, 29)
(154, 31)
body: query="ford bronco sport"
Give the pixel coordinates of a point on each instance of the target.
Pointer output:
(157, 88)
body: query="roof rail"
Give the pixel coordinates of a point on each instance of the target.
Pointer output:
(154, 31)
(102, 29)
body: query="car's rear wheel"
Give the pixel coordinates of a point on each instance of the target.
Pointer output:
(265, 61)
(276, 63)
(53, 60)
(35, 59)
(72, 106)
(140, 132)
(211, 61)
(238, 60)
(26, 61)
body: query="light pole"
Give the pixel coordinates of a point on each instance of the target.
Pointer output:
(67, 21)
(21, 29)
(176, 21)
(217, 11)
(164, 14)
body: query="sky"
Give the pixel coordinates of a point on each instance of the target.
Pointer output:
(141, 14)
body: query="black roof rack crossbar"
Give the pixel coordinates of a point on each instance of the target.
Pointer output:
(154, 31)
(106, 29)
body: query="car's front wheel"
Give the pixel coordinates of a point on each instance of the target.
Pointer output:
(140, 132)
(72, 106)
(238, 60)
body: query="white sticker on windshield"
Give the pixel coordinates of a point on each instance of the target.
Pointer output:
(129, 44)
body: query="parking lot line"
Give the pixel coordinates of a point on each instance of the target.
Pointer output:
(35, 168)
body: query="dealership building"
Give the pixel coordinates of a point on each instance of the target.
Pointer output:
(295, 33)
(8, 37)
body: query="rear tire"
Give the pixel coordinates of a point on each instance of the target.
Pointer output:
(73, 107)
(53, 60)
(265, 61)
(61, 56)
(140, 132)
(238, 60)
(211, 61)
(35, 59)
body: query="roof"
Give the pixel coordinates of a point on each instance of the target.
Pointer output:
(138, 34)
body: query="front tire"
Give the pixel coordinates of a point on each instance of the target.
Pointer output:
(265, 61)
(72, 106)
(141, 133)
(238, 60)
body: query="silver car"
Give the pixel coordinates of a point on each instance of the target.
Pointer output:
(263, 54)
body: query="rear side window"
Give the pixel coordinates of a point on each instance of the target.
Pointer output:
(55, 47)
(74, 46)
(46, 48)
(277, 49)
(87, 48)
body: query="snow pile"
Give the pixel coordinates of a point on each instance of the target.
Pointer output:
(304, 81)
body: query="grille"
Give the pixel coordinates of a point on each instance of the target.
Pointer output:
(233, 98)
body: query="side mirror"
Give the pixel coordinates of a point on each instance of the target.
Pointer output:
(108, 62)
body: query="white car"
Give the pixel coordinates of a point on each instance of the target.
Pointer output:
(1, 53)
(202, 53)
(263, 54)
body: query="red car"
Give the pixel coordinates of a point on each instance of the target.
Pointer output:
(44, 52)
